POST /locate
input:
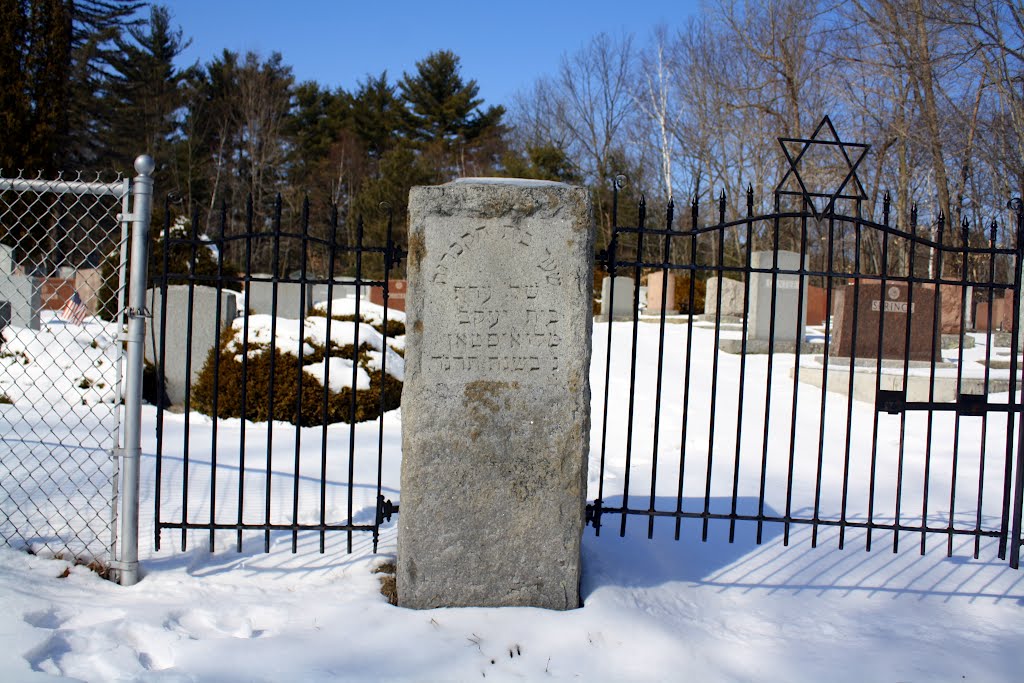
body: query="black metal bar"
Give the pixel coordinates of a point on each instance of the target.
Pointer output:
(188, 372)
(661, 358)
(324, 407)
(694, 215)
(611, 265)
(355, 377)
(802, 255)
(388, 259)
(245, 370)
(743, 363)
(271, 527)
(276, 266)
(984, 418)
(854, 327)
(714, 374)
(1018, 494)
(1017, 206)
(778, 519)
(964, 265)
(642, 216)
(768, 381)
(912, 248)
(296, 474)
(824, 377)
(878, 386)
(936, 256)
(216, 372)
(855, 218)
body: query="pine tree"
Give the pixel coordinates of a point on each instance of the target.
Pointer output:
(444, 118)
(97, 24)
(35, 43)
(377, 115)
(440, 105)
(144, 93)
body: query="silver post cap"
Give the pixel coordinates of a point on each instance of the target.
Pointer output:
(144, 164)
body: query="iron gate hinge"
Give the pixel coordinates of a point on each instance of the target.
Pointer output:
(592, 515)
(385, 508)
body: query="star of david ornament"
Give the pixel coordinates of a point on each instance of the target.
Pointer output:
(824, 143)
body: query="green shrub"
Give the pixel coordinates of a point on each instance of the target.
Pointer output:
(700, 289)
(285, 380)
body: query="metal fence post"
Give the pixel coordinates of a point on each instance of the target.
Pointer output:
(142, 200)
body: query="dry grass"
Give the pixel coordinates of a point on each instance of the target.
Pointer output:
(92, 565)
(388, 585)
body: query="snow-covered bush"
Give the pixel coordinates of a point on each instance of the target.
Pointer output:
(272, 381)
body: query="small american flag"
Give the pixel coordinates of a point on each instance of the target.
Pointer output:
(74, 311)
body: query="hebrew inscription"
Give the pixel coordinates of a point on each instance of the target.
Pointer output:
(497, 320)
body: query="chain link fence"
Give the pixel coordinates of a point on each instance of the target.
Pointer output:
(63, 257)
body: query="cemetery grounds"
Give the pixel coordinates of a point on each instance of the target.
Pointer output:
(654, 609)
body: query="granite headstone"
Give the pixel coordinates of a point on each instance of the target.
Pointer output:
(886, 312)
(732, 298)
(23, 294)
(204, 329)
(789, 312)
(655, 292)
(294, 299)
(625, 295)
(496, 400)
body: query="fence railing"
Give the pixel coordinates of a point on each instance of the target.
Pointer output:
(887, 416)
(306, 365)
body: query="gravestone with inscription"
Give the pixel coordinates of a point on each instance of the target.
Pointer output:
(790, 314)
(884, 313)
(496, 400)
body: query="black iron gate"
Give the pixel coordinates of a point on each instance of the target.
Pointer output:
(833, 381)
(254, 434)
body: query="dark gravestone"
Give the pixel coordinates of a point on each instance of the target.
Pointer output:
(887, 311)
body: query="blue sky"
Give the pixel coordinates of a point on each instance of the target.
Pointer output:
(505, 46)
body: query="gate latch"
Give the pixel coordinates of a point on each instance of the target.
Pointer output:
(889, 401)
(972, 405)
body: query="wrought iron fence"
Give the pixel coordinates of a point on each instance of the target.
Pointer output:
(887, 416)
(278, 360)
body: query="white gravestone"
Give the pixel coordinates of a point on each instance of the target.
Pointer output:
(622, 307)
(787, 298)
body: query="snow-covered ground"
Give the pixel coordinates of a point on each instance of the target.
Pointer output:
(655, 609)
